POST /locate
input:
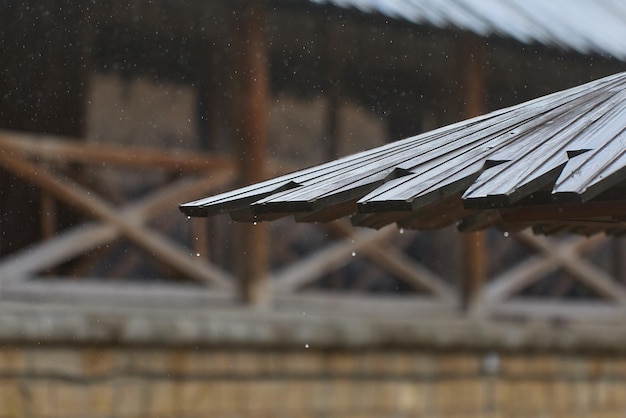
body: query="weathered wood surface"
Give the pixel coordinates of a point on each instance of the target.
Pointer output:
(561, 156)
(91, 312)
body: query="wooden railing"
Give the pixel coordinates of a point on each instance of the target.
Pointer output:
(34, 159)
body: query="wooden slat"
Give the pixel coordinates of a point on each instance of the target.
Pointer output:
(440, 214)
(589, 312)
(602, 167)
(542, 153)
(378, 220)
(563, 211)
(59, 150)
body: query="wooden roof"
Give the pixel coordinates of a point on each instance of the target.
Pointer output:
(556, 163)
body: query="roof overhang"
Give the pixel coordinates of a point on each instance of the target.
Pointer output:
(556, 163)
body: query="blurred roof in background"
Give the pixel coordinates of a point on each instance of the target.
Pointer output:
(588, 27)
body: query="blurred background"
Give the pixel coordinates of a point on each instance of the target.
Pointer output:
(114, 304)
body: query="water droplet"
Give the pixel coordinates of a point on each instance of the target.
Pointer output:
(506, 234)
(402, 230)
(254, 223)
(197, 254)
(188, 217)
(306, 346)
(353, 254)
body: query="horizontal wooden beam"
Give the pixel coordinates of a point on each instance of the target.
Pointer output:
(175, 315)
(59, 150)
(614, 209)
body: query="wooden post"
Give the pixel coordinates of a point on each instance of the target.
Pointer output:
(250, 76)
(470, 57)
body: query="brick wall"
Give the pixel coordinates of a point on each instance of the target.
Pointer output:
(119, 381)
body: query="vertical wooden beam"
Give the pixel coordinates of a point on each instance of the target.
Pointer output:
(470, 57)
(250, 76)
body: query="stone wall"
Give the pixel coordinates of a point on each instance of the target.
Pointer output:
(186, 381)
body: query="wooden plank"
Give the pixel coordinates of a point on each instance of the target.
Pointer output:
(615, 209)
(75, 195)
(545, 152)
(440, 214)
(591, 170)
(98, 294)
(60, 150)
(531, 309)
(480, 220)
(328, 214)
(377, 220)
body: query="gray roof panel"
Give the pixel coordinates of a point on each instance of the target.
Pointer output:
(569, 146)
(585, 26)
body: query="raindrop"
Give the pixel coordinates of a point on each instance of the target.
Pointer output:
(254, 223)
(506, 234)
(402, 230)
(197, 254)
(188, 217)
(306, 346)
(353, 254)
